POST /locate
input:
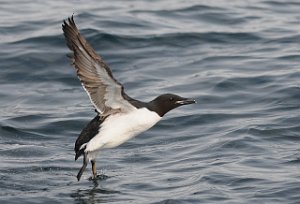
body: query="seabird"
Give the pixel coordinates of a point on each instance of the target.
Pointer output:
(119, 117)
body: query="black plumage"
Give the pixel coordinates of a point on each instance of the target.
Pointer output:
(90, 131)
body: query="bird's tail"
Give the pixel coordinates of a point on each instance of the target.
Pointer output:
(78, 154)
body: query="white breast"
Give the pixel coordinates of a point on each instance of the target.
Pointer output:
(118, 128)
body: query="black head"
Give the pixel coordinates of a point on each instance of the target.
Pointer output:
(166, 102)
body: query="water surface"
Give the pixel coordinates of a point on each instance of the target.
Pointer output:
(239, 144)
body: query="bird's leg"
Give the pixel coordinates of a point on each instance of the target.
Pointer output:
(83, 166)
(94, 168)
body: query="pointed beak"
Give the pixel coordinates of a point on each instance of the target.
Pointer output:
(186, 101)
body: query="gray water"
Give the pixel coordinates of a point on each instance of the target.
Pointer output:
(239, 59)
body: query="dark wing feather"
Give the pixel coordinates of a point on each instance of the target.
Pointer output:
(90, 131)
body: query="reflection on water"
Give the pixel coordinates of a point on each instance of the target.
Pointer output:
(95, 193)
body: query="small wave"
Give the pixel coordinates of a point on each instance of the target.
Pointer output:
(13, 133)
(179, 39)
(291, 39)
(277, 134)
(23, 151)
(55, 41)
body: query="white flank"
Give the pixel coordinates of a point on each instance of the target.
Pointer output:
(118, 128)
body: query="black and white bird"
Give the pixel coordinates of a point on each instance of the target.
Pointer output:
(119, 117)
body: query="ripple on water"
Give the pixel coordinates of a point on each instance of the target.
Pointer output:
(238, 144)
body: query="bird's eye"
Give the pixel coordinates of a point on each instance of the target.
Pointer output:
(171, 99)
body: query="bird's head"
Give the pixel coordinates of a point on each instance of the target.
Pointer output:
(166, 102)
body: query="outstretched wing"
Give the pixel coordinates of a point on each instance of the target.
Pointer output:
(105, 92)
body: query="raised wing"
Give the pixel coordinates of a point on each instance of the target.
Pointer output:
(105, 92)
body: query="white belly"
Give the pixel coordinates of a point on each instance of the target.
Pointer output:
(116, 129)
